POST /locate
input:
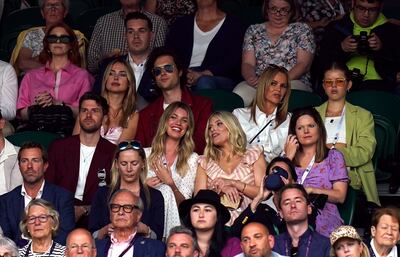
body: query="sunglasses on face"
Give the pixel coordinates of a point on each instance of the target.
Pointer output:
(339, 82)
(134, 144)
(169, 68)
(64, 39)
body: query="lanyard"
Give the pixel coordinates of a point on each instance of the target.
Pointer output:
(307, 171)
(307, 249)
(336, 138)
(29, 249)
(259, 132)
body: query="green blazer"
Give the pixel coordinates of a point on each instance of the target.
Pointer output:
(361, 142)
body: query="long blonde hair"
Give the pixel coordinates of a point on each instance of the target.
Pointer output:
(237, 137)
(129, 102)
(115, 183)
(186, 143)
(264, 83)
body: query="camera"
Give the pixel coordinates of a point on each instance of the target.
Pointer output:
(362, 43)
(356, 76)
(273, 181)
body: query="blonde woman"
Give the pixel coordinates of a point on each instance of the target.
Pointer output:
(129, 171)
(227, 166)
(266, 121)
(345, 241)
(172, 160)
(119, 89)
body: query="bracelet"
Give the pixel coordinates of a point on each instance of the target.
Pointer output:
(244, 187)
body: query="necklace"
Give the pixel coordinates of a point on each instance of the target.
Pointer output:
(84, 156)
(114, 114)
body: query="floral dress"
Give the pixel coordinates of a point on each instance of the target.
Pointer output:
(284, 51)
(172, 9)
(324, 175)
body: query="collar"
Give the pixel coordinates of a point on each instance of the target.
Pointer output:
(130, 60)
(379, 21)
(186, 98)
(260, 115)
(69, 68)
(115, 241)
(7, 151)
(39, 194)
(393, 252)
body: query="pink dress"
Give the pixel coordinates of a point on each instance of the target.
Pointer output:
(243, 172)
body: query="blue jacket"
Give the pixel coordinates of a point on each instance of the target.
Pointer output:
(143, 247)
(12, 207)
(153, 215)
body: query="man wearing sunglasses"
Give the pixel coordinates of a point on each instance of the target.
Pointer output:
(82, 162)
(125, 213)
(169, 75)
(366, 41)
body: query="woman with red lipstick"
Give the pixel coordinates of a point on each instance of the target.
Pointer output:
(228, 166)
(118, 88)
(172, 160)
(266, 122)
(206, 216)
(320, 170)
(354, 136)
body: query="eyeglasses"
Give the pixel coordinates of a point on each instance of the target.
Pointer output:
(169, 68)
(55, 6)
(127, 208)
(134, 144)
(281, 11)
(121, 74)
(64, 39)
(42, 219)
(362, 9)
(77, 248)
(339, 82)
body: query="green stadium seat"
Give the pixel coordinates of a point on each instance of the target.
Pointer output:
(299, 98)
(222, 100)
(44, 138)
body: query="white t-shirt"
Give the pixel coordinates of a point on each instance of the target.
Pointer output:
(331, 126)
(86, 156)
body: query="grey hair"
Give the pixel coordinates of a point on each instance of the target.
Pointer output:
(65, 3)
(11, 247)
(139, 202)
(23, 224)
(186, 231)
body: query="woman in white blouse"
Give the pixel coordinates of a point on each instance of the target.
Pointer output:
(172, 161)
(266, 121)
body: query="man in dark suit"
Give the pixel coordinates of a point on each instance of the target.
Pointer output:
(139, 33)
(32, 160)
(169, 76)
(81, 163)
(125, 212)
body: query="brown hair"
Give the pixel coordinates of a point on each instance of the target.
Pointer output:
(73, 53)
(392, 211)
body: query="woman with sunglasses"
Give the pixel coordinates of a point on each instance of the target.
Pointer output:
(228, 166)
(266, 122)
(118, 88)
(60, 81)
(40, 223)
(322, 171)
(279, 41)
(350, 130)
(129, 171)
(172, 161)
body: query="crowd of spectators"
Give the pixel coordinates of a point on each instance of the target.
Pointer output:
(149, 169)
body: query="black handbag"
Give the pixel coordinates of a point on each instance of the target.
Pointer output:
(57, 119)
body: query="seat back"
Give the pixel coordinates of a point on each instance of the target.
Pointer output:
(222, 100)
(44, 138)
(347, 208)
(22, 19)
(300, 98)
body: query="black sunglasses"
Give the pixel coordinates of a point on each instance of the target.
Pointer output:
(169, 68)
(64, 39)
(134, 144)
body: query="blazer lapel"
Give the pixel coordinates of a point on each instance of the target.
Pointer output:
(351, 114)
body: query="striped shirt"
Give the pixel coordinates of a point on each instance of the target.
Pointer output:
(55, 250)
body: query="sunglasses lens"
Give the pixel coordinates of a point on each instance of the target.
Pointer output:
(169, 68)
(123, 145)
(65, 39)
(52, 39)
(157, 71)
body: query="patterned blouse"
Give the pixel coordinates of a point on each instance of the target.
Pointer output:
(284, 52)
(34, 41)
(243, 172)
(172, 9)
(324, 175)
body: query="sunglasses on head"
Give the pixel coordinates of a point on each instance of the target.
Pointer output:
(169, 68)
(134, 144)
(65, 39)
